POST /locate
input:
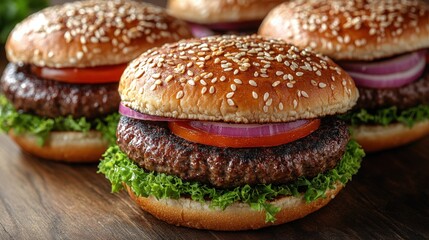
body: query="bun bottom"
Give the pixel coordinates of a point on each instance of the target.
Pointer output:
(238, 216)
(77, 147)
(377, 138)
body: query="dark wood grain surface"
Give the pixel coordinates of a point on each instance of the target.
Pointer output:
(388, 199)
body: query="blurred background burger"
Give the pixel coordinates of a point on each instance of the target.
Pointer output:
(232, 133)
(59, 92)
(208, 17)
(383, 46)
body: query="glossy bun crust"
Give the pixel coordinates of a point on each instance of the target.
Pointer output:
(73, 147)
(221, 11)
(352, 29)
(377, 138)
(236, 79)
(92, 33)
(238, 216)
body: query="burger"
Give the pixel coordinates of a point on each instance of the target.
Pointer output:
(59, 92)
(232, 133)
(383, 46)
(207, 17)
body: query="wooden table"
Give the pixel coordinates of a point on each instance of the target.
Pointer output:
(388, 199)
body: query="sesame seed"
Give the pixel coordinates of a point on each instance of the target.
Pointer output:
(276, 83)
(203, 90)
(211, 90)
(139, 73)
(233, 87)
(179, 94)
(156, 75)
(295, 103)
(238, 81)
(322, 85)
(229, 95)
(191, 82)
(254, 95)
(253, 83)
(230, 102)
(281, 106)
(203, 82)
(153, 87)
(313, 82)
(279, 73)
(169, 78)
(265, 108)
(269, 102)
(299, 74)
(190, 73)
(289, 85)
(304, 94)
(222, 79)
(266, 96)
(228, 69)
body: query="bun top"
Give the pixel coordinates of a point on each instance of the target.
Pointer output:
(221, 11)
(353, 29)
(244, 79)
(92, 33)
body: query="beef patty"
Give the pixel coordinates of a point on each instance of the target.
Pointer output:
(404, 97)
(153, 147)
(30, 93)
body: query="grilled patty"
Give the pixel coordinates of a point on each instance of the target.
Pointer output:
(153, 147)
(30, 93)
(404, 97)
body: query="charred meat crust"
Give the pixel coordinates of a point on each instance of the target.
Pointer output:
(30, 93)
(404, 97)
(153, 147)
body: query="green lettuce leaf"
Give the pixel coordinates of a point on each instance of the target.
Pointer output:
(387, 116)
(119, 169)
(23, 123)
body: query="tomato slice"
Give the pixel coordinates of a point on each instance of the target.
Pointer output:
(186, 131)
(92, 75)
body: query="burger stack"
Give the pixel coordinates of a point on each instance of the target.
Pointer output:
(60, 97)
(232, 133)
(209, 17)
(383, 46)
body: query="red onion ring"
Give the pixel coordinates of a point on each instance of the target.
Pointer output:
(230, 26)
(392, 65)
(200, 31)
(393, 80)
(247, 130)
(128, 112)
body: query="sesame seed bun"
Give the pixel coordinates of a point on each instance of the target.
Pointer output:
(376, 138)
(92, 33)
(77, 147)
(221, 11)
(236, 79)
(351, 30)
(238, 216)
